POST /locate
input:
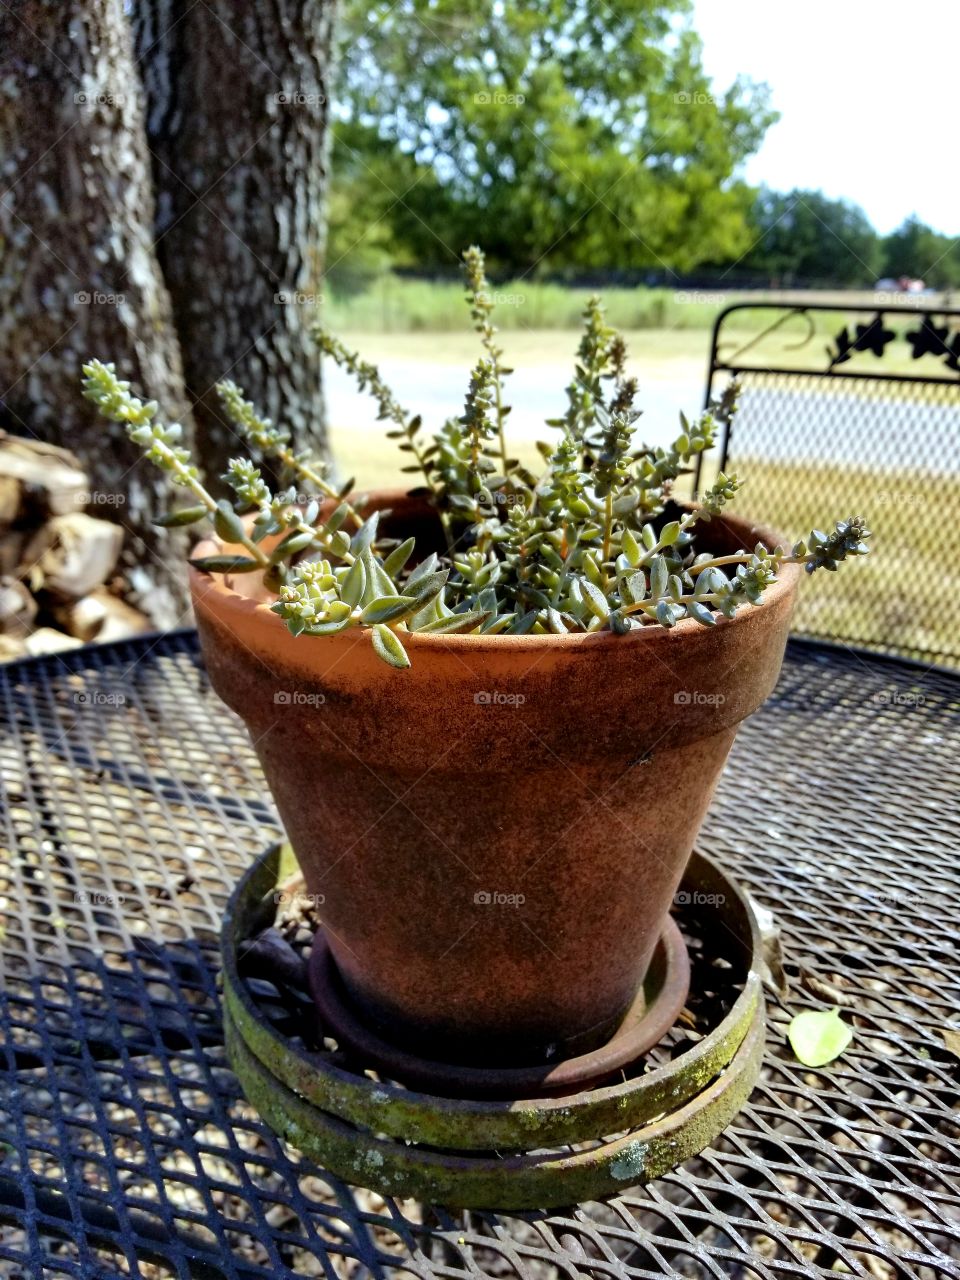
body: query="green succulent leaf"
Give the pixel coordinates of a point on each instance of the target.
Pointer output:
(290, 545)
(659, 577)
(184, 516)
(665, 615)
(353, 584)
(388, 646)
(337, 518)
(523, 623)
(329, 628)
(701, 613)
(388, 608)
(457, 623)
(338, 611)
(425, 567)
(670, 533)
(365, 535)
(631, 548)
(399, 556)
(227, 523)
(226, 564)
(429, 585)
(633, 589)
(340, 544)
(595, 600)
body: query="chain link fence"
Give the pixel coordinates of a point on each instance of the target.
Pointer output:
(854, 412)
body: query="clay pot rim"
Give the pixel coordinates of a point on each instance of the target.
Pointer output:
(243, 606)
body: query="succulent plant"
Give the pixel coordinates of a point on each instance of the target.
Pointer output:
(588, 544)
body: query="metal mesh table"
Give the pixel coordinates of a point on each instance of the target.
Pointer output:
(132, 802)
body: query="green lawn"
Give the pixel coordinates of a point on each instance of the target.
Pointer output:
(395, 305)
(891, 593)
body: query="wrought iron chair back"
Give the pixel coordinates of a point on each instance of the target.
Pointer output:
(853, 410)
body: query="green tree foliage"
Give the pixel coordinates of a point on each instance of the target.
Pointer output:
(575, 134)
(918, 251)
(804, 236)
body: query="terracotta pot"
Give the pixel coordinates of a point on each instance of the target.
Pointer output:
(497, 833)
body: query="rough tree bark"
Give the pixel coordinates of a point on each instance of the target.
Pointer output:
(237, 124)
(78, 276)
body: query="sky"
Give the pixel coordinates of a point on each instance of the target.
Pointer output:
(867, 93)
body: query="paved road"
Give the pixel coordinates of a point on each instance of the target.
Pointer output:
(885, 433)
(536, 392)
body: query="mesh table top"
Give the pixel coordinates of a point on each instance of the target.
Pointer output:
(132, 801)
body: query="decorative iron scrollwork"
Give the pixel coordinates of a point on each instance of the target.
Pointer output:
(868, 337)
(929, 338)
(934, 339)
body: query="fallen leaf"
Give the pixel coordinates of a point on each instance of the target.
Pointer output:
(818, 1036)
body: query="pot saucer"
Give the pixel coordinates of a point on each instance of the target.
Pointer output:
(652, 1014)
(525, 1153)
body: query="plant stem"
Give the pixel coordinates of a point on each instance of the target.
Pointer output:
(289, 459)
(650, 606)
(321, 537)
(191, 482)
(498, 403)
(607, 526)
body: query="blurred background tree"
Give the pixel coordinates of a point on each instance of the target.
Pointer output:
(572, 134)
(164, 172)
(804, 236)
(915, 249)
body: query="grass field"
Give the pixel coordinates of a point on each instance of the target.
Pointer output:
(893, 597)
(393, 304)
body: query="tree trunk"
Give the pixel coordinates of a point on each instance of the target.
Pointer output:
(78, 275)
(237, 123)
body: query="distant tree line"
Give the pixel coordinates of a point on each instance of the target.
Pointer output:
(804, 237)
(570, 136)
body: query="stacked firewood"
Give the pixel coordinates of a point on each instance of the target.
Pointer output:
(58, 582)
